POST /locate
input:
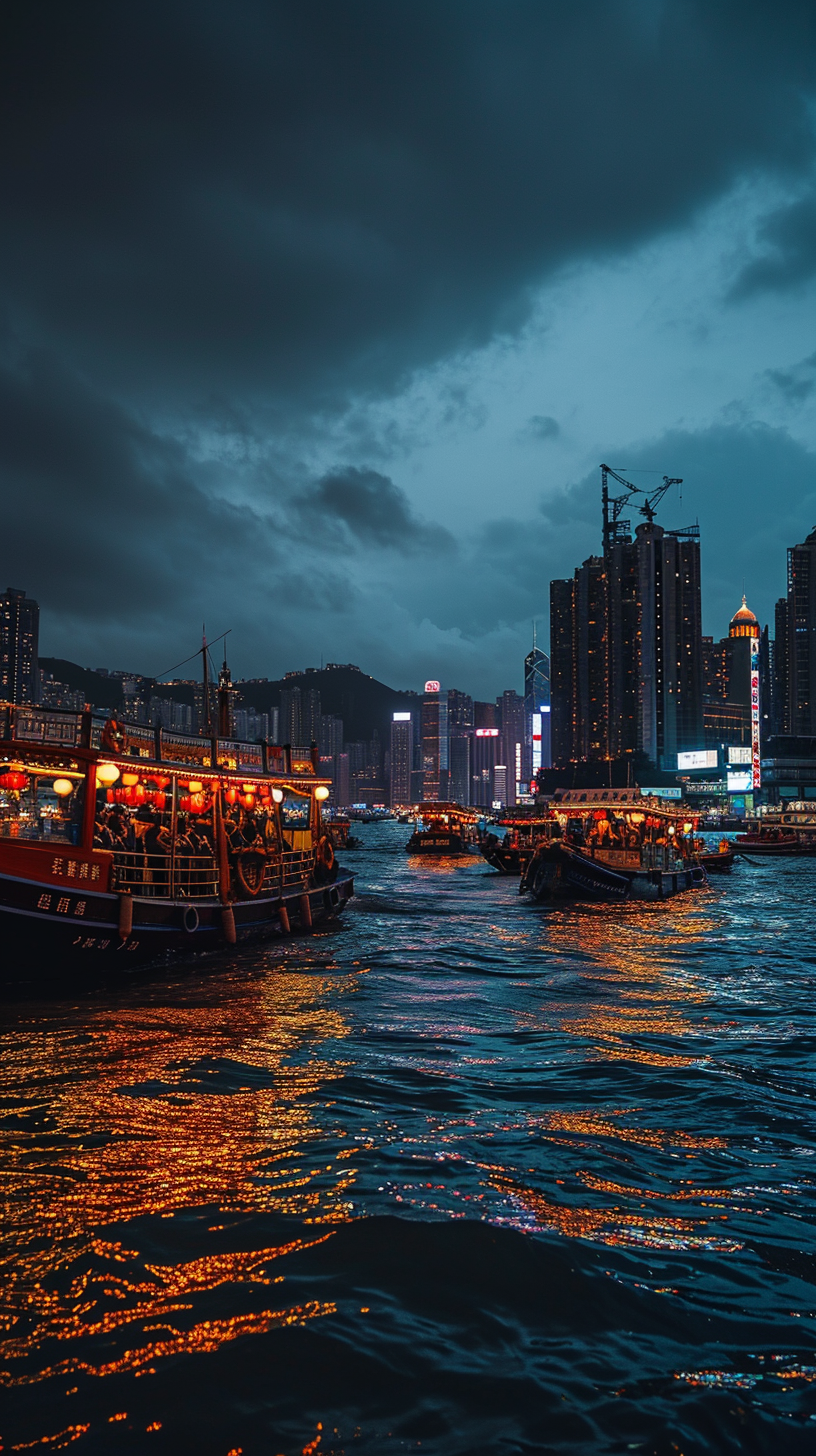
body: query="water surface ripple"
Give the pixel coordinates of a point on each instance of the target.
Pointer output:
(462, 1175)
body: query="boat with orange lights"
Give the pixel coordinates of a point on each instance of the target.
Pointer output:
(614, 845)
(511, 852)
(123, 845)
(443, 829)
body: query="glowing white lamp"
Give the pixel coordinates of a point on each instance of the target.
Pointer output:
(107, 773)
(321, 792)
(62, 788)
(277, 795)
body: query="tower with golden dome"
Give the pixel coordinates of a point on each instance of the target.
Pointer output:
(744, 623)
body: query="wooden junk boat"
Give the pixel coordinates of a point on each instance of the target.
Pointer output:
(615, 844)
(510, 843)
(788, 830)
(443, 829)
(122, 845)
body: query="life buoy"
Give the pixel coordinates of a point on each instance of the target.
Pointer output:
(325, 860)
(114, 738)
(250, 868)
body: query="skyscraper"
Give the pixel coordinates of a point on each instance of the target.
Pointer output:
(402, 758)
(537, 720)
(487, 747)
(19, 647)
(626, 648)
(561, 665)
(460, 737)
(801, 638)
(290, 716)
(434, 743)
(512, 717)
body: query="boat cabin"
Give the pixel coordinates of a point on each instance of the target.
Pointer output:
(89, 801)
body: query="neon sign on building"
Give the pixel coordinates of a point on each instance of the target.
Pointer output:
(756, 764)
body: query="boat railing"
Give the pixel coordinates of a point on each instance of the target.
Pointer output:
(165, 876)
(195, 876)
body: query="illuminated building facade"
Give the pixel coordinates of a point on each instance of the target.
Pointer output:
(512, 714)
(402, 757)
(561, 670)
(626, 650)
(19, 647)
(800, 639)
(487, 756)
(434, 743)
(537, 725)
(460, 736)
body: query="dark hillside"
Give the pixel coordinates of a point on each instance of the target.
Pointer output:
(101, 692)
(363, 703)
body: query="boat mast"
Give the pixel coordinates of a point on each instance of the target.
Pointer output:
(206, 677)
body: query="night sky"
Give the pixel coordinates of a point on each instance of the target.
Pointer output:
(318, 319)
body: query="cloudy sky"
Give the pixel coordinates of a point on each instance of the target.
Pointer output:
(318, 318)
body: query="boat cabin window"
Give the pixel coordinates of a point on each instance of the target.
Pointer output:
(41, 803)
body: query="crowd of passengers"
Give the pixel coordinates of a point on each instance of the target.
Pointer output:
(144, 831)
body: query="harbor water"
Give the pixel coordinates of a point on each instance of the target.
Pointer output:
(459, 1174)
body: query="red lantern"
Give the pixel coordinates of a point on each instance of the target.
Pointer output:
(198, 803)
(231, 796)
(121, 796)
(160, 780)
(184, 803)
(159, 799)
(13, 779)
(248, 801)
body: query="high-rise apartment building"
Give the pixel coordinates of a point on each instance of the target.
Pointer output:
(562, 657)
(626, 649)
(19, 647)
(487, 755)
(460, 735)
(434, 735)
(310, 716)
(290, 716)
(512, 717)
(402, 758)
(800, 711)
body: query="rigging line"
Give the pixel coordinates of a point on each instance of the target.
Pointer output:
(197, 653)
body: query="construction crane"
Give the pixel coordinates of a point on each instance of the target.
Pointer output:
(613, 527)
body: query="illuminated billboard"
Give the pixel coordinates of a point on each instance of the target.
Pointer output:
(739, 755)
(536, 742)
(402, 717)
(432, 685)
(487, 732)
(740, 781)
(700, 758)
(756, 766)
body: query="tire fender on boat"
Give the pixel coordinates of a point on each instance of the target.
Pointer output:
(125, 914)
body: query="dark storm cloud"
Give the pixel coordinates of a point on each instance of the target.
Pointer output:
(373, 511)
(233, 220)
(796, 383)
(320, 196)
(788, 257)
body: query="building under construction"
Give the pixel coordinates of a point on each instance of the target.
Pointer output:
(626, 640)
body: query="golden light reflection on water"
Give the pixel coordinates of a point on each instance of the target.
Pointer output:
(636, 964)
(145, 1113)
